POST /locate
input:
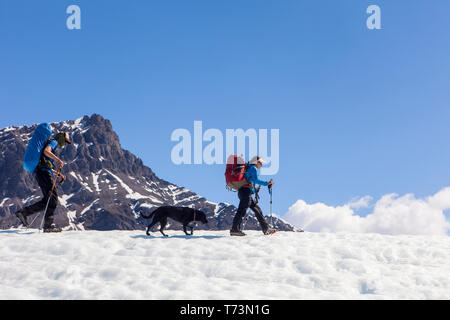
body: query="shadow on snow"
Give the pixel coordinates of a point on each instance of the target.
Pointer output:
(176, 237)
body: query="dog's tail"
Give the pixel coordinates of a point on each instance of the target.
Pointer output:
(149, 216)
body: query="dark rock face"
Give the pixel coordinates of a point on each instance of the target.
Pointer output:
(106, 186)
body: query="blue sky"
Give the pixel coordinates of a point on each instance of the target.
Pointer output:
(360, 112)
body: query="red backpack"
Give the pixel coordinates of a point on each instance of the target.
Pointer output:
(234, 174)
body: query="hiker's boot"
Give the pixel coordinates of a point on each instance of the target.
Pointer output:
(269, 231)
(22, 218)
(51, 228)
(237, 233)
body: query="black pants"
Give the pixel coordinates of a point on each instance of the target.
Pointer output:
(246, 201)
(45, 181)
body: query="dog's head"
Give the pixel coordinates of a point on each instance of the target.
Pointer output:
(200, 216)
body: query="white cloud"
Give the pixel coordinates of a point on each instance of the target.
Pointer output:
(391, 214)
(358, 203)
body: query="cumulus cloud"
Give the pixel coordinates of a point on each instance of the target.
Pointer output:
(392, 214)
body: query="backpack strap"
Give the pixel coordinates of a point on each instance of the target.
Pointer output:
(43, 162)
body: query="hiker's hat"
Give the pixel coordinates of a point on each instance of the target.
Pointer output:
(66, 136)
(257, 159)
(63, 138)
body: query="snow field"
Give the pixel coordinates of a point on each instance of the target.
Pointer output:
(212, 265)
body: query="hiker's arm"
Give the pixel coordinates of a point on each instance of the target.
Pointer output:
(253, 178)
(48, 153)
(262, 183)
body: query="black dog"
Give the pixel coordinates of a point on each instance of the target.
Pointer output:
(180, 214)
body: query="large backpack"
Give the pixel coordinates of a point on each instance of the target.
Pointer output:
(234, 173)
(35, 147)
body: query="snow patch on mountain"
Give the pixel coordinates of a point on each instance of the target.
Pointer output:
(95, 180)
(3, 202)
(89, 207)
(131, 194)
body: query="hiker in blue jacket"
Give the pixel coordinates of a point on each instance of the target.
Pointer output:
(246, 200)
(45, 175)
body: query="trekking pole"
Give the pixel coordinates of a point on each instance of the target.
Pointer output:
(37, 216)
(257, 194)
(50, 194)
(271, 215)
(245, 220)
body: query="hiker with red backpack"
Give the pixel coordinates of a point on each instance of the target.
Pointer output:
(244, 178)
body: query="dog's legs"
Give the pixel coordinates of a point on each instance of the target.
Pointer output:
(151, 225)
(163, 225)
(185, 231)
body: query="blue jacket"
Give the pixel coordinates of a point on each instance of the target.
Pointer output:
(252, 177)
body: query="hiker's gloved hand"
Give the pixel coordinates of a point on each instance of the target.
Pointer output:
(271, 183)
